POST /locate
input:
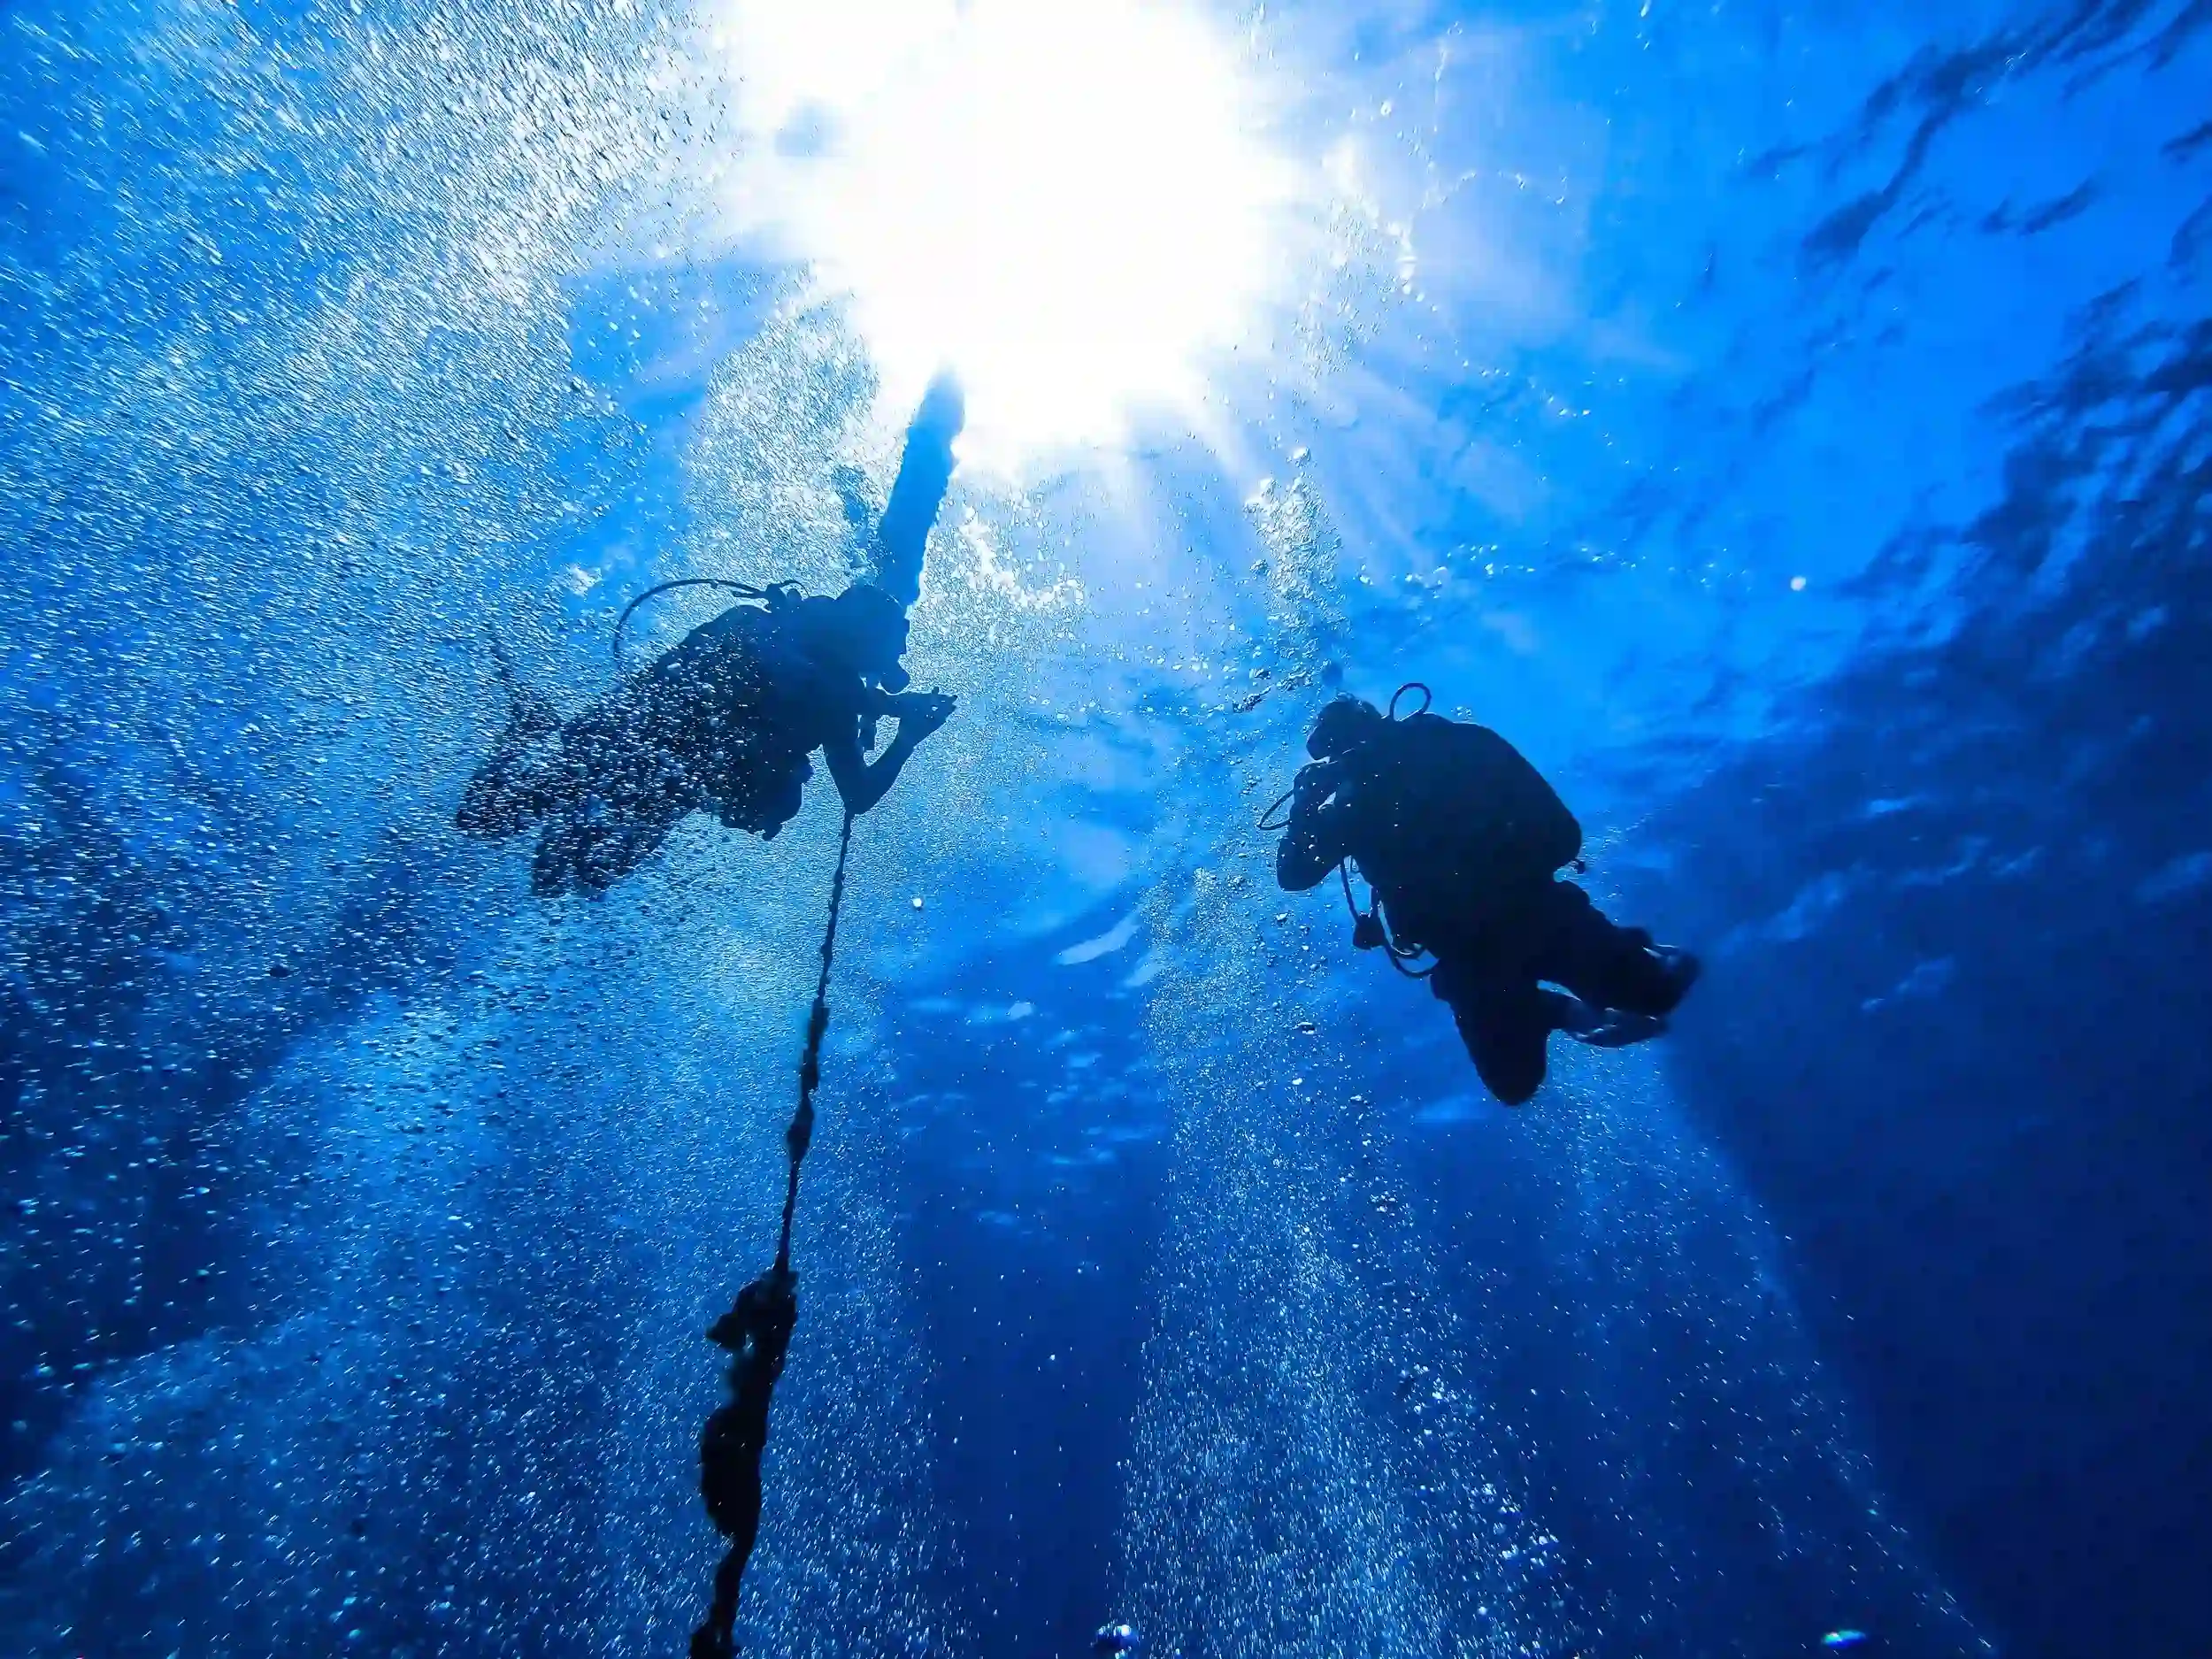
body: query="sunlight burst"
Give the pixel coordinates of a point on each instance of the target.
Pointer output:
(1067, 204)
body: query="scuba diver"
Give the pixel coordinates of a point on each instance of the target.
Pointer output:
(1462, 841)
(725, 721)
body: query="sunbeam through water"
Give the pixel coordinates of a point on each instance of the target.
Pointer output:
(1782, 429)
(1076, 207)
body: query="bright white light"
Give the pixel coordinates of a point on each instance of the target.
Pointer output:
(1065, 202)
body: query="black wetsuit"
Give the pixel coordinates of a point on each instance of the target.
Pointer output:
(723, 723)
(1463, 839)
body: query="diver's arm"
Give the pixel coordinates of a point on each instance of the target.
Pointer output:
(1314, 841)
(861, 782)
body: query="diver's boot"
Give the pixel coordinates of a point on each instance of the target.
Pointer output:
(1680, 967)
(1599, 1027)
(1616, 1030)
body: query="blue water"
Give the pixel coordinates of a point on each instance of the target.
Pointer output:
(1795, 437)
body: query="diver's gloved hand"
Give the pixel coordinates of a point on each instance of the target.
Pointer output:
(919, 713)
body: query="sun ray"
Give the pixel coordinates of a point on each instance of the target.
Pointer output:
(1075, 208)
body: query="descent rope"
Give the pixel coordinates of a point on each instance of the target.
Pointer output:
(757, 1331)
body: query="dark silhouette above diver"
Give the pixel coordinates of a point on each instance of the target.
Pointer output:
(725, 721)
(1462, 841)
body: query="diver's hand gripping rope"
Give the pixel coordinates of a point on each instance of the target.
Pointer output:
(757, 1331)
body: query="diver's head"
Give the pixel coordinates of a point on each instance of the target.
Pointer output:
(864, 628)
(1344, 724)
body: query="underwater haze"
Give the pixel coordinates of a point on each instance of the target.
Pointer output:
(1792, 427)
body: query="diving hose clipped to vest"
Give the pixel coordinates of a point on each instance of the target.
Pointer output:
(778, 595)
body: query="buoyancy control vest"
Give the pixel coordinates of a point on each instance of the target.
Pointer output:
(1451, 824)
(744, 704)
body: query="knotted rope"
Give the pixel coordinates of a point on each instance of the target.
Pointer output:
(799, 1134)
(757, 1331)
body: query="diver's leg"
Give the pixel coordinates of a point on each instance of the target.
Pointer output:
(1505, 1037)
(628, 788)
(518, 785)
(1505, 1025)
(1609, 967)
(593, 845)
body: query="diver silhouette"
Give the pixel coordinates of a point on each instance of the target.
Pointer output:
(1462, 841)
(724, 722)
